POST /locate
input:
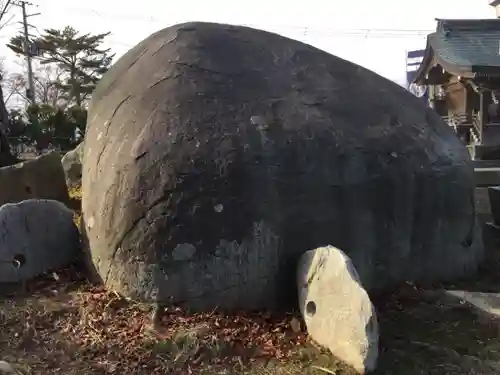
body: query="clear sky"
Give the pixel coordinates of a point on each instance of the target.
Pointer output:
(374, 34)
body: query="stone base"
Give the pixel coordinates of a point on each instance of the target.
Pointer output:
(487, 304)
(494, 197)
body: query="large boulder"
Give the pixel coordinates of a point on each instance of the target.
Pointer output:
(216, 155)
(37, 236)
(42, 177)
(72, 165)
(336, 308)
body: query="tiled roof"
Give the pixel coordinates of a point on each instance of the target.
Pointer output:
(467, 43)
(464, 46)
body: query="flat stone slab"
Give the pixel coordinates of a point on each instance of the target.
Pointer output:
(486, 302)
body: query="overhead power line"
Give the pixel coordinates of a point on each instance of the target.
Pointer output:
(306, 30)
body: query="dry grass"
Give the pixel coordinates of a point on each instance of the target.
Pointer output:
(75, 195)
(60, 324)
(70, 327)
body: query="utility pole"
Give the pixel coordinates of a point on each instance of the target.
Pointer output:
(28, 51)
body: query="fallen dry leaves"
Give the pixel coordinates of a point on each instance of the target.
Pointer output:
(60, 324)
(64, 325)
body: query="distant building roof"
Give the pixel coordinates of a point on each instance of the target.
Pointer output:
(463, 47)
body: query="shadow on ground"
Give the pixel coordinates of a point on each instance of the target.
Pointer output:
(66, 326)
(60, 324)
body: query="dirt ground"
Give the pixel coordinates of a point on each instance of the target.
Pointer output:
(60, 324)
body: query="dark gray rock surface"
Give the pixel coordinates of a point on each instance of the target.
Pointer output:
(36, 236)
(42, 178)
(216, 155)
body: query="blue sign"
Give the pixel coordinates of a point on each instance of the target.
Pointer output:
(413, 61)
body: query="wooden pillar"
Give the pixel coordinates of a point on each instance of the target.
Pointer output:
(431, 89)
(481, 115)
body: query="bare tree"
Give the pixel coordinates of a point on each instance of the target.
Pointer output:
(48, 88)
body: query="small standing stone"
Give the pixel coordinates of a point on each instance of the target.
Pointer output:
(156, 316)
(72, 165)
(296, 325)
(155, 327)
(337, 310)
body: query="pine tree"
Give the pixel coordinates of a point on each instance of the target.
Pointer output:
(80, 57)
